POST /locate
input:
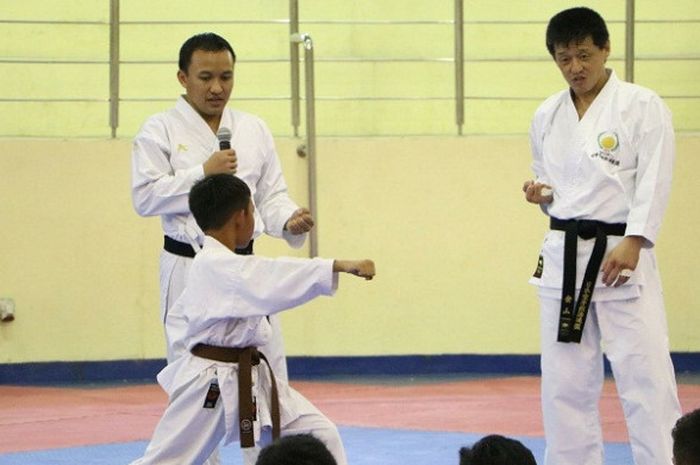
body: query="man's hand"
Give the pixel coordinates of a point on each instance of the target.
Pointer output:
(622, 261)
(223, 161)
(361, 268)
(538, 193)
(300, 222)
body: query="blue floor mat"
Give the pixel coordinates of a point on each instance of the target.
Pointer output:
(364, 446)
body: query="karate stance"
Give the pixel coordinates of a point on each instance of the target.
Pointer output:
(223, 387)
(603, 154)
(176, 148)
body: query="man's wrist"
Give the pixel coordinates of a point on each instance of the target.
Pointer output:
(636, 240)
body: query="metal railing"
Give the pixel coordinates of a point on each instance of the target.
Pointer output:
(114, 66)
(294, 63)
(629, 40)
(310, 149)
(459, 64)
(115, 98)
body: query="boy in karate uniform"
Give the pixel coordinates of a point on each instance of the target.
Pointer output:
(223, 388)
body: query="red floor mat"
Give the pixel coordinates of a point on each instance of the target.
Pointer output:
(35, 418)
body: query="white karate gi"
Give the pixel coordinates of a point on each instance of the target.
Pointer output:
(225, 303)
(167, 158)
(614, 165)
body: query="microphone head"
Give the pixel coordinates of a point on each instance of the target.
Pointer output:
(224, 134)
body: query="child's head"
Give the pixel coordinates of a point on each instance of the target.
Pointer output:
(219, 201)
(686, 446)
(295, 450)
(496, 450)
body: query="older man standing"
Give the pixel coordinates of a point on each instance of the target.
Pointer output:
(603, 154)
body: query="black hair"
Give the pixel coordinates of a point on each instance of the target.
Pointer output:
(686, 445)
(300, 449)
(496, 450)
(215, 198)
(574, 25)
(206, 41)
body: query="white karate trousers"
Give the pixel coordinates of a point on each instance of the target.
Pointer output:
(634, 336)
(173, 275)
(188, 433)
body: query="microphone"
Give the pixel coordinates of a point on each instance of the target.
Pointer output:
(224, 136)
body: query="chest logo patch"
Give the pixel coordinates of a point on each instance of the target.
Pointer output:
(608, 141)
(181, 148)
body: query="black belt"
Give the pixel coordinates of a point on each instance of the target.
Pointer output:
(185, 250)
(572, 315)
(246, 358)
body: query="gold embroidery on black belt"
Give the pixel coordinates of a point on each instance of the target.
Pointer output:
(572, 315)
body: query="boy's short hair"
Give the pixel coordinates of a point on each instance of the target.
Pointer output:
(215, 198)
(496, 450)
(686, 439)
(207, 41)
(574, 25)
(300, 449)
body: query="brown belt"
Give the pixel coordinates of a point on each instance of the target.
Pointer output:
(246, 357)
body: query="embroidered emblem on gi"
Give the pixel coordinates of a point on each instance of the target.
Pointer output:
(540, 267)
(608, 141)
(212, 395)
(181, 148)
(246, 425)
